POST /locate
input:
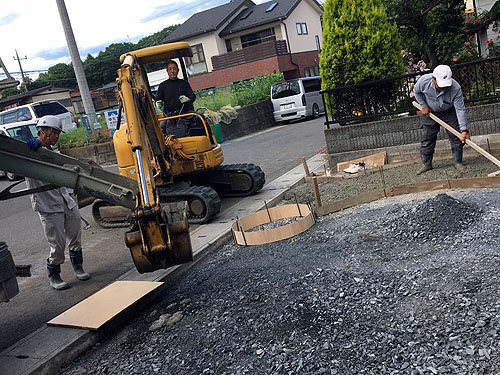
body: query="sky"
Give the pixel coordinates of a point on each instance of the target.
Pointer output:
(34, 28)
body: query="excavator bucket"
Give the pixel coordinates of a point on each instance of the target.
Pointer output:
(177, 251)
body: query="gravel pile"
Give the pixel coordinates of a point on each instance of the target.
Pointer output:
(352, 295)
(435, 220)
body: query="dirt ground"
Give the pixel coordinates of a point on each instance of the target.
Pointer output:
(404, 285)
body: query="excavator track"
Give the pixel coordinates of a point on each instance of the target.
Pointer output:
(232, 180)
(203, 202)
(102, 222)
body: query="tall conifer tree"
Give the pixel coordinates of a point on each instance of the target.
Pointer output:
(359, 43)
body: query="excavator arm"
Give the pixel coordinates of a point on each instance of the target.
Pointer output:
(159, 235)
(154, 241)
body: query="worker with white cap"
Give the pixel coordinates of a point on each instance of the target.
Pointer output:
(439, 93)
(58, 212)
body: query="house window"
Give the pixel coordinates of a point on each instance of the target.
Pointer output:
(262, 36)
(229, 47)
(311, 71)
(302, 28)
(318, 44)
(196, 64)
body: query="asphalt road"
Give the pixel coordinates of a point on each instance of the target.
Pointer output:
(276, 150)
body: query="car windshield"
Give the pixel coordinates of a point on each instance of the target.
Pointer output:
(45, 109)
(284, 89)
(23, 132)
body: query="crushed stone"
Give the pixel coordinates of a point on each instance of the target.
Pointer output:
(358, 293)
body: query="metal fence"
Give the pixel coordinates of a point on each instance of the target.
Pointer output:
(369, 101)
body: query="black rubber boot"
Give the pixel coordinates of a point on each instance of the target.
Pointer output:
(426, 164)
(76, 258)
(55, 277)
(458, 153)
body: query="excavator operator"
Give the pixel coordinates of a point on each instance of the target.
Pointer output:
(175, 93)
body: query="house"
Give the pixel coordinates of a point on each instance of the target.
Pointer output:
(480, 7)
(241, 40)
(103, 98)
(60, 94)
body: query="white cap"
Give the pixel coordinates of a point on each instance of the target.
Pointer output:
(442, 74)
(50, 121)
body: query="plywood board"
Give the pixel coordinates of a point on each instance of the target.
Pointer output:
(418, 187)
(98, 309)
(478, 182)
(350, 202)
(375, 160)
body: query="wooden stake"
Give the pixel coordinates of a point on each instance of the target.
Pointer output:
(268, 213)
(306, 168)
(297, 203)
(317, 196)
(383, 180)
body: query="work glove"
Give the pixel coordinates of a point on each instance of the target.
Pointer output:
(159, 104)
(184, 99)
(34, 143)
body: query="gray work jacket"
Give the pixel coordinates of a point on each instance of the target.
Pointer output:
(49, 201)
(427, 95)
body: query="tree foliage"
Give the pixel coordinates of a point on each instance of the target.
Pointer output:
(359, 44)
(433, 34)
(99, 70)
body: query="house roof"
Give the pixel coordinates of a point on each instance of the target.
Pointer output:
(259, 15)
(30, 93)
(207, 20)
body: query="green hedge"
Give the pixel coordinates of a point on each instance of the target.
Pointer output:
(241, 93)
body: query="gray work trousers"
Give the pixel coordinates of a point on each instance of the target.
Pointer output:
(60, 227)
(430, 130)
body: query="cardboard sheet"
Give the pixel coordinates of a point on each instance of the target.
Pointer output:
(240, 227)
(375, 160)
(102, 306)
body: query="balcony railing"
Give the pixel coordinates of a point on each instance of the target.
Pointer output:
(248, 54)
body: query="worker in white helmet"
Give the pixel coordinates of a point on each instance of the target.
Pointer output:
(58, 212)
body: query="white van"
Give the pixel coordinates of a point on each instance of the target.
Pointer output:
(297, 98)
(31, 113)
(20, 122)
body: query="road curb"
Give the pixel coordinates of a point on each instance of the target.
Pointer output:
(49, 348)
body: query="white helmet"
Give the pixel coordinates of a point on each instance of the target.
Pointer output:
(50, 121)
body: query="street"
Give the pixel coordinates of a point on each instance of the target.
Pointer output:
(276, 150)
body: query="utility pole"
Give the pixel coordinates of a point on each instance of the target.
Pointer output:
(83, 86)
(21, 69)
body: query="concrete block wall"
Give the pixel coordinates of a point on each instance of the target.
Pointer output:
(400, 137)
(251, 119)
(101, 153)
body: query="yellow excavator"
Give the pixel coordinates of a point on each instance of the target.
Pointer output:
(184, 164)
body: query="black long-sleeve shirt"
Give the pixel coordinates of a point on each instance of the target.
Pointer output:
(169, 92)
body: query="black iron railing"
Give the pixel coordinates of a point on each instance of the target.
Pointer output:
(368, 101)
